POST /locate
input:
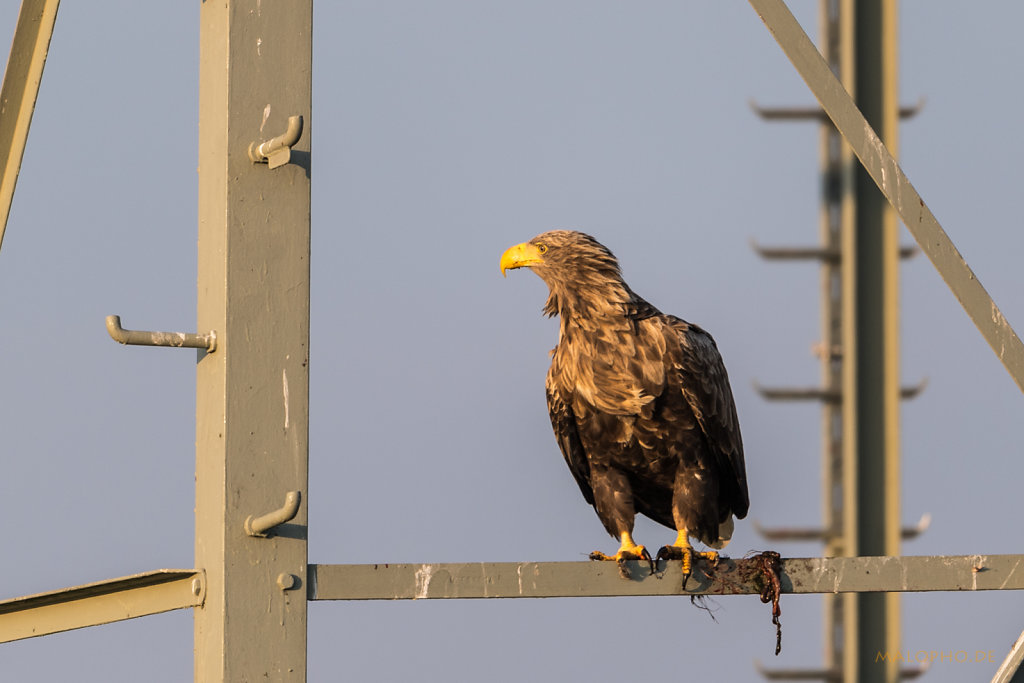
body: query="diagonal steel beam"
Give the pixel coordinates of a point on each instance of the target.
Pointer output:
(602, 579)
(893, 183)
(102, 602)
(1011, 671)
(20, 88)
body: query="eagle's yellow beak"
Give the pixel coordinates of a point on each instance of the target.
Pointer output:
(519, 256)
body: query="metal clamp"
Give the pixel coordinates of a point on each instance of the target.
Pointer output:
(259, 526)
(277, 151)
(206, 341)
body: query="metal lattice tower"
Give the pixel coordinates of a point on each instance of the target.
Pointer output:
(859, 347)
(251, 580)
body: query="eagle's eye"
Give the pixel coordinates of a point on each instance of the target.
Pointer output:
(542, 248)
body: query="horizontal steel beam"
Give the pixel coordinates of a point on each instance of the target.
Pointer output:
(102, 602)
(831, 675)
(894, 184)
(602, 579)
(827, 254)
(817, 113)
(824, 535)
(823, 394)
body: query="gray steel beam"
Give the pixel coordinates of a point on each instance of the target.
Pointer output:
(889, 177)
(602, 579)
(252, 393)
(20, 89)
(102, 602)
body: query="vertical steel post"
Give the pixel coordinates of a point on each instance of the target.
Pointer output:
(871, 348)
(850, 501)
(252, 391)
(835, 160)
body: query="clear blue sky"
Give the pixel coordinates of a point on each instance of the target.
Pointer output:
(444, 132)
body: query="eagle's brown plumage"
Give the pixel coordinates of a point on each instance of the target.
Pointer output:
(639, 401)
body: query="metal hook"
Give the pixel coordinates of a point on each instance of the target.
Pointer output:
(259, 526)
(277, 151)
(206, 341)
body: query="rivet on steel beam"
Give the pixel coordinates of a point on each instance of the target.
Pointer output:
(259, 526)
(206, 341)
(286, 582)
(277, 151)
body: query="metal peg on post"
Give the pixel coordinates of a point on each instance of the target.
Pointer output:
(277, 151)
(206, 341)
(259, 526)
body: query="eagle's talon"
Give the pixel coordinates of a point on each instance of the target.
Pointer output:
(688, 556)
(637, 552)
(647, 556)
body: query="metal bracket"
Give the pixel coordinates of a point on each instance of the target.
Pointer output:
(829, 255)
(259, 526)
(277, 151)
(834, 674)
(817, 113)
(818, 534)
(206, 341)
(824, 394)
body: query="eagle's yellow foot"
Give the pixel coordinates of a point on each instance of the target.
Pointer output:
(682, 550)
(637, 553)
(627, 551)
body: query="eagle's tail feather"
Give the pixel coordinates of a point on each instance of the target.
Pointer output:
(725, 530)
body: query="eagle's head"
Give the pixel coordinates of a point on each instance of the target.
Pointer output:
(581, 273)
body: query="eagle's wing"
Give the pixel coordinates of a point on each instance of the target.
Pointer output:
(563, 421)
(705, 385)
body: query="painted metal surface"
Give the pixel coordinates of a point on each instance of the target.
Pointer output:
(102, 602)
(206, 341)
(259, 526)
(826, 535)
(18, 95)
(889, 177)
(602, 579)
(252, 395)
(871, 357)
(1012, 668)
(277, 151)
